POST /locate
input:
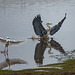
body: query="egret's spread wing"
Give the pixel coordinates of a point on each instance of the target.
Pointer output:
(57, 27)
(2, 40)
(56, 46)
(16, 42)
(38, 27)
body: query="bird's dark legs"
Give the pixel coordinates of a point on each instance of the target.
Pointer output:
(6, 57)
(6, 54)
(49, 46)
(6, 48)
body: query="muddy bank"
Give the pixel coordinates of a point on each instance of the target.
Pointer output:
(66, 68)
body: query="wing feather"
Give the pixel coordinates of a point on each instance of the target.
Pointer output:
(16, 42)
(38, 27)
(2, 40)
(57, 27)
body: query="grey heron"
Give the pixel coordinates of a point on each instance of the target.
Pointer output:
(41, 31)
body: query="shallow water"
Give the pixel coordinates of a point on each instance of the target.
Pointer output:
(16, 22)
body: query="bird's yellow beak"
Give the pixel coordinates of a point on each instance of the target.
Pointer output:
(49, 24)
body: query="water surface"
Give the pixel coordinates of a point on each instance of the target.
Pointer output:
(16, 22)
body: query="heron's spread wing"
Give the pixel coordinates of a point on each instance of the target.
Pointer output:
(16, 42)
(57, 27)
(56, 46)
(38, 27)
(2, 40)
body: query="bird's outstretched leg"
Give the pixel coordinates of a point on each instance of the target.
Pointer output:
(5, 48)
(49, 46)
(5, 55)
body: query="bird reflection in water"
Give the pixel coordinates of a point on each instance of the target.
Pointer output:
(41, 47)
(57, 46)
(8, 62)
(39, 52)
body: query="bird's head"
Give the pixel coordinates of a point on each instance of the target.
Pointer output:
(8, 38)
(49, 24)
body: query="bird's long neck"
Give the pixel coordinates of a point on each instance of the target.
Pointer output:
(49, 28)
(7, 39)
(7, 42)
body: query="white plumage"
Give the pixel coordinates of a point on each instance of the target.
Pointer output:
(9, 42)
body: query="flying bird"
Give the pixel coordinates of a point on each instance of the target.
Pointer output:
(9, 42)
(41, 31)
